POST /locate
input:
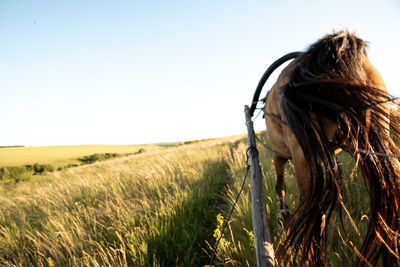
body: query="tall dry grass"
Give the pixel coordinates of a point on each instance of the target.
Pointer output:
(158, 208)
(152, 209)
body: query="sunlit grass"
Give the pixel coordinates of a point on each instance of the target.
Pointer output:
(154, 208)
(157, 208)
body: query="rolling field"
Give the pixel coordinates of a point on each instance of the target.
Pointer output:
(60, 155)
(163, 207)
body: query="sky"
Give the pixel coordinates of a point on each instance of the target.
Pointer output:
(134, 72)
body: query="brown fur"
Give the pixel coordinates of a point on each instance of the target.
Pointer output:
(332, 97)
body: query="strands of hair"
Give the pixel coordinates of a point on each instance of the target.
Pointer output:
(330, 82)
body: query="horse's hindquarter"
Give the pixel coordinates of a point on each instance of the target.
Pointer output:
(284, 142)
(281, 137)
(275, 128)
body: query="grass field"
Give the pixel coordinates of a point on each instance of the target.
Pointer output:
(163, 207)
(60, 155)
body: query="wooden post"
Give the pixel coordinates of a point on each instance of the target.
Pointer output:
(264, 249)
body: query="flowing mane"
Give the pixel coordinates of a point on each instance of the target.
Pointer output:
(337, 56)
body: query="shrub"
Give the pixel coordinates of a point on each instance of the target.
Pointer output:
(12, 172)
(98, 157)
(141, 150)
(49, 168)
(41, 168)
(71, 166)
(29, 167)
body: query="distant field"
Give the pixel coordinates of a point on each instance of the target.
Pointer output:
(60, 155)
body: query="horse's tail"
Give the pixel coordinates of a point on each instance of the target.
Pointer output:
(361, 113)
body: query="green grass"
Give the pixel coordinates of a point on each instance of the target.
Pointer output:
(157, 208)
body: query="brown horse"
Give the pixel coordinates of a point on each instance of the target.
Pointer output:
(331, 98)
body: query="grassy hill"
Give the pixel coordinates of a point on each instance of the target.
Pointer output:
(163, 207)
(60, 155)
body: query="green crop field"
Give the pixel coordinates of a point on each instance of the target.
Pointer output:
(59, 155)
(162, 207)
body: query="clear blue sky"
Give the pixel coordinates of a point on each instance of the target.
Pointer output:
(129, 72)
